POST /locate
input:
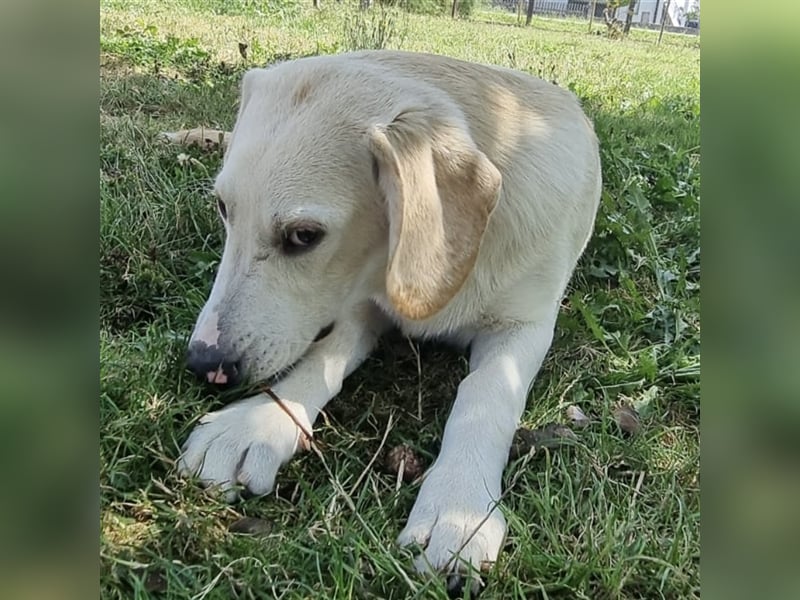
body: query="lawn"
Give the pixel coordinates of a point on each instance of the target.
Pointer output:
(609, 515)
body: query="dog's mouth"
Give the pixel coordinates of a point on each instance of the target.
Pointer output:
(280, 374)
(324, 332)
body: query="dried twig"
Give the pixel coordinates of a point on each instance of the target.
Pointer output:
(307, 441)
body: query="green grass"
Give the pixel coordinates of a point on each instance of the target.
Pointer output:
(607, 517)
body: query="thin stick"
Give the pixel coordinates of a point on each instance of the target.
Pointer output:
(268, 391)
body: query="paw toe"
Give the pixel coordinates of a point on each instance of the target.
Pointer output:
(193, 453)
(258, 469)
(414, 535)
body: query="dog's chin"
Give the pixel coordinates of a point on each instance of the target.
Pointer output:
(269, 376)
(277, 376)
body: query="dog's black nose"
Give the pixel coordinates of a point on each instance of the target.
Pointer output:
(210, 364)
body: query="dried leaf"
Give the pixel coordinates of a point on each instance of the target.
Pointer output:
(627, 419)
(551, 435)
(577, 417)
(251, 525)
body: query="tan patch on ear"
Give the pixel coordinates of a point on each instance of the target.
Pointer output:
(440, 193)
(301, 93)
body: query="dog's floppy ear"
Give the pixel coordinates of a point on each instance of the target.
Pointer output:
(440, 191)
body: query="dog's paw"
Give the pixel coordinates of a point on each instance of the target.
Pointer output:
(457, 534)
(243, 444)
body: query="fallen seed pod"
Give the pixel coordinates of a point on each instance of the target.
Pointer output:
(403, 459)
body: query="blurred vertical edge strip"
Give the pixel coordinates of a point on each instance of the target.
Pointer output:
(49, 301)
(751, 299)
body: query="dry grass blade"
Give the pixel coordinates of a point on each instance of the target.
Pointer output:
(389, 425)
(415, 350)
(494, 506)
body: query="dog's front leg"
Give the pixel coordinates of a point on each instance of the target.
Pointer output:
(245, 443)
(456, 509)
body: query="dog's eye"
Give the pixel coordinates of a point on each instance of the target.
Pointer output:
(301, 239)
(223, 210)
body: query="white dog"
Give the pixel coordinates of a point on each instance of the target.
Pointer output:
(363, 190)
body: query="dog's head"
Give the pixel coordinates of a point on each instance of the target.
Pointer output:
(336, 188)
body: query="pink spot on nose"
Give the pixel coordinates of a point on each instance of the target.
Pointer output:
(217, 376)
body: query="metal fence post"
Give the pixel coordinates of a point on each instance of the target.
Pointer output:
(663, 21)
